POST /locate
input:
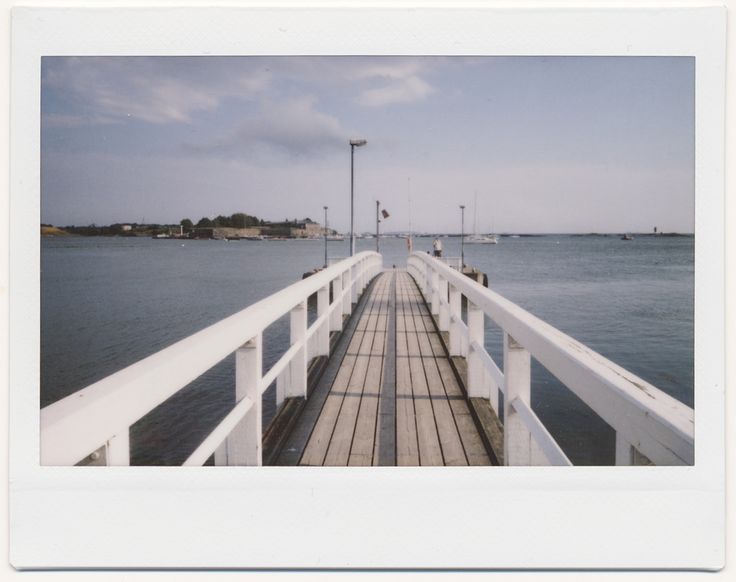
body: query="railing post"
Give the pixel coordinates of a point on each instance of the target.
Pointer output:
(435, 293)
(336, 315)
(347, 306)
(455, 339)
(297, 385)
(118, 450)
(427, 286)
(624, 451)
(354, 282)
(243, 445)
(323, 333)
(444, 305)
(517, 447)
(475, 364)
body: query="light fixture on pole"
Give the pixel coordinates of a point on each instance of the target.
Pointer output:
(353, 144)
(325, 207)
(462, 237)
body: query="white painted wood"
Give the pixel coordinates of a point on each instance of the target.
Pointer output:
(517, 380)
(475, 365)
(624, 451)
(336, 315)
(495, 373)
(297, 384)
(213, 442)
(118, 449)
(455, 330)
(354, 283)
(658, 426)
(347, 285)
(444, 320)
(544, 448)
(74, 426)
(244, 441)
(221, 454)
(323, 327)
(435, 293)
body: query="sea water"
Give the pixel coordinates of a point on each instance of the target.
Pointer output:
(109, 302)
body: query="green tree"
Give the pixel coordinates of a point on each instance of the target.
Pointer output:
(239, 220)
(205, 222)
(186, 224)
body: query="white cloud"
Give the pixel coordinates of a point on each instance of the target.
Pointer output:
(405, 90)
(148, 89)
(292, 127)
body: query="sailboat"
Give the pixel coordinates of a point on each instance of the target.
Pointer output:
(479, 239)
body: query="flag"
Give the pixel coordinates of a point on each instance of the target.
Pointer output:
(384, 213)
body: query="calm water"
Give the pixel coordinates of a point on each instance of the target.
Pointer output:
(108, 302)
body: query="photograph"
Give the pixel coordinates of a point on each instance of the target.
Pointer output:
(365, 260)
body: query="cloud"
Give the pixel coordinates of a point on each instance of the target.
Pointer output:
(405, 90)
(292, 127)
(399, 82)
(149, 89)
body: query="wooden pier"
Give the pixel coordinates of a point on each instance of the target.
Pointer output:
(389, 395)
(393, 371)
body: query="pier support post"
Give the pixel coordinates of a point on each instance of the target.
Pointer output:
(517, 445)
(118, 450)
(455, 338)
(297, 384)
(444, 305)
(323, 333)
(435, 289)
(354, 283)
(243, 445)
(336, 315)
(476, 333)
(624, 451)
(347, 307)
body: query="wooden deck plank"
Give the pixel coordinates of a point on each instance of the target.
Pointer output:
(319, 440)
(393, 397)
(338, 451)
(384, 448)
(472, 443)
(299, 437)
(453, 452)
(363, 445)
(430, 451)
(407, 445)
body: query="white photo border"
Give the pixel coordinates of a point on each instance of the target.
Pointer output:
(277, 517)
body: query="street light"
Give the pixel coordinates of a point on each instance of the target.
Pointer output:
(353, 144)
(462, 237)
(325, 207)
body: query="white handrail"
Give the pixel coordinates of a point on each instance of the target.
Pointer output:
(656, 424)
(80, 423)
(547, 444)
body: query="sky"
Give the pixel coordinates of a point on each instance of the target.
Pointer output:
(543, 144)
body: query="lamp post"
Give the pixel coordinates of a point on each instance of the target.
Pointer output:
(378, 221)
(353, 144)
(325, 207)
(462, 237)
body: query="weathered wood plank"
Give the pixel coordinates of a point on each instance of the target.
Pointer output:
(319, 440)
(338, 451)
(298, 438)
(384, 451)
(430, 452)
(407, 446)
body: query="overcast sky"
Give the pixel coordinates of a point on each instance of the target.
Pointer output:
(548, 144)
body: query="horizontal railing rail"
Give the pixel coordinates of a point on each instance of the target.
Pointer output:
(100, 415)
(649, 424)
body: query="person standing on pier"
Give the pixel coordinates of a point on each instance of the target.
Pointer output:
(437, 244)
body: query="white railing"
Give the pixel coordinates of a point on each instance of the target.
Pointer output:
(100, 416)
(647, 421)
